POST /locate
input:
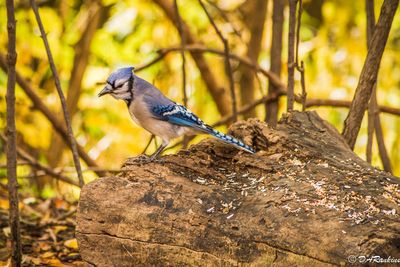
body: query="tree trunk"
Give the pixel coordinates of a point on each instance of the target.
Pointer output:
(271, 109)
(303, 199)
(369, 72)
(11, 133)
(254, 15)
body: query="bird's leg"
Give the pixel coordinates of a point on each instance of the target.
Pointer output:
(159, 150)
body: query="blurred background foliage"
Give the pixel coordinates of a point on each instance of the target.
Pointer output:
(89, 39)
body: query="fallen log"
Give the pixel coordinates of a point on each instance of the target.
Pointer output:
(303, 199)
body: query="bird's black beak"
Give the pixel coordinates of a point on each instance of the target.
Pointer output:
(106, 90)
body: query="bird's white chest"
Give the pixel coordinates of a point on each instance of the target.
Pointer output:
(134, 118)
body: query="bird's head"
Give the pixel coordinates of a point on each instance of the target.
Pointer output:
(120, 84)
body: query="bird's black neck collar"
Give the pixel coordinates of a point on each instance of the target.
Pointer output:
(131, 82)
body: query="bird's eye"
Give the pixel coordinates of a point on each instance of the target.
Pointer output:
(118, 86)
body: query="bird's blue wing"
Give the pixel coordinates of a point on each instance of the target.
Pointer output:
(179, 115)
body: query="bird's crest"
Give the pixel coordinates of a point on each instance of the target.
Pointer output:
(120, 74)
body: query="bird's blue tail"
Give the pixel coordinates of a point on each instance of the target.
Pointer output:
(229, 139)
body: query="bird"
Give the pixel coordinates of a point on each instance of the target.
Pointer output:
(153, 111)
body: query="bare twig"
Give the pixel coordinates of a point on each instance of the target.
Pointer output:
(369, 72)
(60, 94)
(303, 86)
(369, 8)
(55, 122)
(35, 164)
(381, 142)
(183, 44)
(291, 59)
(227, 61)
(11, 135)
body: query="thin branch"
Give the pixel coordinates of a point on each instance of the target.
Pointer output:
(55, 122)
(291, 59)
(369, 72)
(227, 61)
(381, 142)
(16, 255)
(183, 44)
(369, 8)
(35, 164)
(60, 94)
(374, 121)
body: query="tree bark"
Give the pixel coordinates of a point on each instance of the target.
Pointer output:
(254, 15)
(271, 109)
(374, 121)
(305, 199)
(218, 93)
(11, 136)
(369, 72)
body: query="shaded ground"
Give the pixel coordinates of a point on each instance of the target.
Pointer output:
(47, 231)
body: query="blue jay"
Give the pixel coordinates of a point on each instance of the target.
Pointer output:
(159, 115)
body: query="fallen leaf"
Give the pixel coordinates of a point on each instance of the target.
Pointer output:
(54, 262)
(47, 254)
(71, 243)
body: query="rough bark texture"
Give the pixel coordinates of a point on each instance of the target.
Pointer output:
(303, 199)
(369, 72)
(11, 133)
(271, 109)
